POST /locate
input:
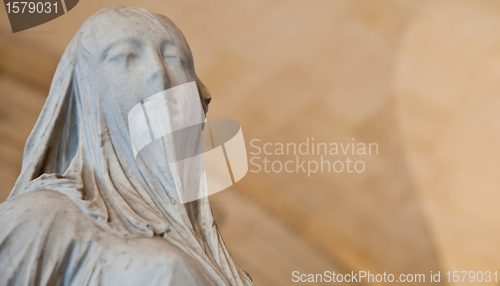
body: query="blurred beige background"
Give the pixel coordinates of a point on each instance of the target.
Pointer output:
(419, 78)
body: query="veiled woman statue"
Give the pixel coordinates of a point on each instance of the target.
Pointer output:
(83, 210)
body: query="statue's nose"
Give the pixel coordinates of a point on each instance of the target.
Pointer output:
(157, 74)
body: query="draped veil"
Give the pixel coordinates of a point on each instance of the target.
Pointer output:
(80, 147)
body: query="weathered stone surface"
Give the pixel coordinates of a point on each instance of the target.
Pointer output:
(83, 210)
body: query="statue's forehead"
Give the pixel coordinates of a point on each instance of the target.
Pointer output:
(114, 26)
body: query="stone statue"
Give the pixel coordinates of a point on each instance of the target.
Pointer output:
(83, 211)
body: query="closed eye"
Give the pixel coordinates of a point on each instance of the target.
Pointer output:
(122, 52)
(171, 51)
(170, 57)
(124, 57)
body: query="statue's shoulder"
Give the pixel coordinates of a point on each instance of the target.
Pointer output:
(35, 205)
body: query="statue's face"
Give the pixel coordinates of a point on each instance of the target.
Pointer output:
(138, 56)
